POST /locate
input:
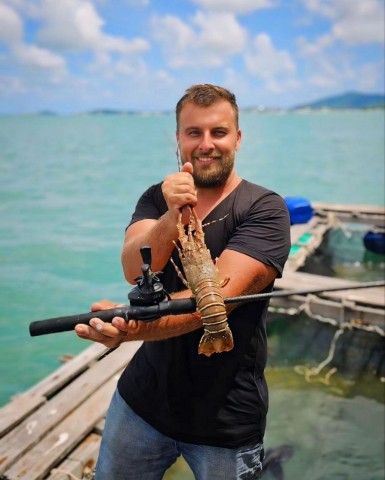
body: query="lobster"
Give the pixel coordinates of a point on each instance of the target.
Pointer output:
(201, 277)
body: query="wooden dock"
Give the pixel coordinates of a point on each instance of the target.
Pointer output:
(362, 307)
(53, 430)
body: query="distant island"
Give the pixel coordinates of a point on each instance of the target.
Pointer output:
(347, 100)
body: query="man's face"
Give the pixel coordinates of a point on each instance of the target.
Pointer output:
(208, 138)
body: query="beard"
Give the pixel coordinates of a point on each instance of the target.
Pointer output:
(214, 175)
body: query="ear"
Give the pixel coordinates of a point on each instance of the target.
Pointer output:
(239, 138)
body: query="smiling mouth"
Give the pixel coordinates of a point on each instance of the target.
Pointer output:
(207, 159)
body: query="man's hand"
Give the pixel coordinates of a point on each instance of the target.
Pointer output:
(113, 334)
(179, 191)
(103, 332)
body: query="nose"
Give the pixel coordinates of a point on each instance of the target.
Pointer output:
(206, 142)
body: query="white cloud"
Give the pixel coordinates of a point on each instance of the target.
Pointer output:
(38, 57)
(329, 58)
(79, 45)
(228, 37)
(21, 54)
(29, 8)
(311, 49)
(354, 22)
(265, 62)
(235, 6)
(175, 38)
(340, 74)
(11, 25)
(197, 43)
(366, 25)
(75, 25)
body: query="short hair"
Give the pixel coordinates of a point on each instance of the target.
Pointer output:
(206, 95)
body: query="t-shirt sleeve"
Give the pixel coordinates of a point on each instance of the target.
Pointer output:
(151, 205)
(264, 233)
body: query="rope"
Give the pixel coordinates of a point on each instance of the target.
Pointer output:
(337, 224)
(306, 308)
(312, 374)
(315, 371)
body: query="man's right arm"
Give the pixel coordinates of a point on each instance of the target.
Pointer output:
(157, 234)
(178, 190)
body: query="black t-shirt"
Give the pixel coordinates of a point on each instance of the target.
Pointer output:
(219, 400)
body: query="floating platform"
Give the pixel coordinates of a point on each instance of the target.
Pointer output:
(53, 430)
(363, 307)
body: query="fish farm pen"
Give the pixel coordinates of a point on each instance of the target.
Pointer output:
(53, 430)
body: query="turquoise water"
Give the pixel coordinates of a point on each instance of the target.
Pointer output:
(68, 186)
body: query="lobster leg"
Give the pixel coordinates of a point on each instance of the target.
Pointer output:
(180, 274)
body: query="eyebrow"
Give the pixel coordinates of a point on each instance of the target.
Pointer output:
(217, 127)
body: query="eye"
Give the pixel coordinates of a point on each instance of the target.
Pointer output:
(219, 132)
(193, 133)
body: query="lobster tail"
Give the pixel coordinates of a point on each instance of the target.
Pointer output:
(216, 342)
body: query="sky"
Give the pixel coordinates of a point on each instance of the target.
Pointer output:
(70, 56)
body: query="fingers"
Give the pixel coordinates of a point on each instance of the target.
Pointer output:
(188, 168)
(178, 189)
(103, 332)
(102, 305)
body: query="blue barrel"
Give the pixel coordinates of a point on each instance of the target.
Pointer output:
(300, 210)
(374, 241)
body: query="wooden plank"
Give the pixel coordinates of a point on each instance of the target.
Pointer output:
(372, 318)
(316, 231)
(26, 403)
(300, 280)
(65, 373)
(365, 214)
(54, 447)
(80, 461)
(343, 207)
(297, 231)
(34, 428)
(15, 412)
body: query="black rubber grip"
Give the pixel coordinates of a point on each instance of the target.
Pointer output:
(128, 312)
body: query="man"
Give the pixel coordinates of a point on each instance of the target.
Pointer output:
(170, 400)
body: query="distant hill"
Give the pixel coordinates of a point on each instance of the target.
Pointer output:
(348, 100)
(109, 111)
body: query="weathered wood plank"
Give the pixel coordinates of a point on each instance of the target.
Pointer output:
(300, 280)
(35, 427)
(338, 311)
(343, 207)
(66, 372)
(296, 231)
(26, 403)
(316, 231)
(16, 411)
(83, 458)
(364, 214)
(53, 448)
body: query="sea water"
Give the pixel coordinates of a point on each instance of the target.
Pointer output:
(68, 187)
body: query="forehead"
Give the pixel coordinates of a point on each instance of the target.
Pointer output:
(218, 114)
